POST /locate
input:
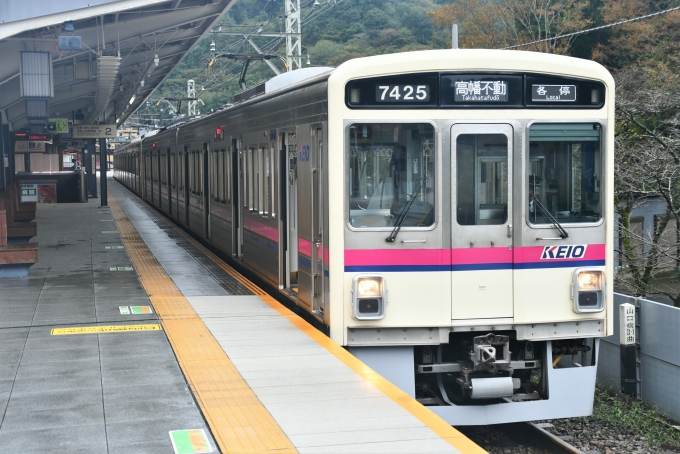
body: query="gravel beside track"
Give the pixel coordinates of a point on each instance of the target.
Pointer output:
(586, 434)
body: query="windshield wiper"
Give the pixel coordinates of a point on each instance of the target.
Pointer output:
(402, 215)
(551, 218)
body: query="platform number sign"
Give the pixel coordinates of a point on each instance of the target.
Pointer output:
(402, 93)
(627, 324)
(95, 131)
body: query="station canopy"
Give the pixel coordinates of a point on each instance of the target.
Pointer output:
(102, 58)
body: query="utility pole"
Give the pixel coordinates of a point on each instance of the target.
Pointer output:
(293, 35)
(191, 93)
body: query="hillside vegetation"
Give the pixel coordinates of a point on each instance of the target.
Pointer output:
(332, 32)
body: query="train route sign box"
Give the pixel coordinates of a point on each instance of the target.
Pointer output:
(95, 131)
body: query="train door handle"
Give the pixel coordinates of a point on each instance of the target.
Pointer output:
(509, 230)
(315, 285)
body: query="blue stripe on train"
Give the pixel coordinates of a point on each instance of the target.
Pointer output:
(472, 267)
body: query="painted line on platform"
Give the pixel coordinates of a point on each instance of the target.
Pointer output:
(105, 329)
(236, 417)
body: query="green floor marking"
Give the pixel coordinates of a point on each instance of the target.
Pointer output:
(190, 441)
(138, 310)
(121, 268)
(124, 310)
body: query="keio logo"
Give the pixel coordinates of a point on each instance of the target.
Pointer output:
(564, 252)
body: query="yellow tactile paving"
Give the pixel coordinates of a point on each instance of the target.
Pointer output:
(427, 417)
(238, 420)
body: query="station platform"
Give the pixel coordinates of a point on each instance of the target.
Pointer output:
(129, 336)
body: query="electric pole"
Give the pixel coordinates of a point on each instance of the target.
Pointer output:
(191, 93)
(293, 35)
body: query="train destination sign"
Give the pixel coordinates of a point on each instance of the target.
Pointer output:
(563, 93)
(481, 91)
(27, 136)
(477, 90)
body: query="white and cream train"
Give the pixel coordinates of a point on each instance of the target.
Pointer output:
(445, 215)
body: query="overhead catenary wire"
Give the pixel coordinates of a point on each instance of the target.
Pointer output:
(274, 42)
(588, 30)
(216, 80)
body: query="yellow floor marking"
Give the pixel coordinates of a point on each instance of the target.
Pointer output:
(422, 413)
(238, 420)
(105, 329)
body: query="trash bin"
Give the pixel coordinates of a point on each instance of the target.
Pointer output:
(82, 185)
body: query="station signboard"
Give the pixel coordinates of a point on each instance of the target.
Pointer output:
(30, 146)
(95, 131)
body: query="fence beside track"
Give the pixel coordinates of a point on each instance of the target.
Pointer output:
(658, 355)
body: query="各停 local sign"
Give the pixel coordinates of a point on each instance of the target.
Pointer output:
(95, 131)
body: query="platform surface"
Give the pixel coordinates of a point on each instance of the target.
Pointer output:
(216, 354)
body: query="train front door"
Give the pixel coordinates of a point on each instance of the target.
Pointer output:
(481, 224)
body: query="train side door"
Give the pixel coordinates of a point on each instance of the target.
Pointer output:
(235, 181)
(241, 191)
(317, 223)
(187, 189)
(290, 157)
(206, 190)
(481, 224)
(159, 181)
(169, 179)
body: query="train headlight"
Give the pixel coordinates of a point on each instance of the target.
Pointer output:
(369, 297)
(588, 290)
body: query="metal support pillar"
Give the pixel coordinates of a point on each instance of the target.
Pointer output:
(89, 163)
(9, 150)
(4, 158)
(103, 167)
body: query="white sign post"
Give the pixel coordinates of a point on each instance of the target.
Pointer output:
(95, 131)
(627, 324)
(630, 374)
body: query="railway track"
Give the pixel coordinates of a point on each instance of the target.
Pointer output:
(518, 438)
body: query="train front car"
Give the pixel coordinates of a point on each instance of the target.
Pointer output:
(471, 216)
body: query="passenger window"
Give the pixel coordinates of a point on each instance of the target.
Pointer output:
(215, 175)
(564, 173)
(481, 179)
(390, 164)
(227, 172)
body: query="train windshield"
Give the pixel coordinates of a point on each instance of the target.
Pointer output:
(565, 172)
(390, 163)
